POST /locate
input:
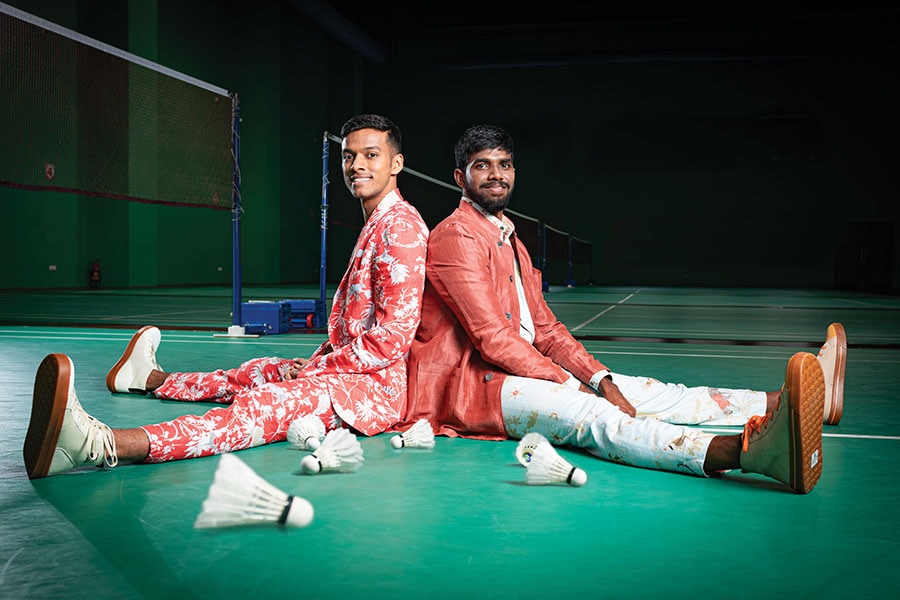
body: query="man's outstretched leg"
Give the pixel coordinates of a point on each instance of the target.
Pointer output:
(779, 445)
(137, 372)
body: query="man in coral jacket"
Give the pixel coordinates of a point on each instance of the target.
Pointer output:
(491, 361)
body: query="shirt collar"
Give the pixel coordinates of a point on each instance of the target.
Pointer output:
(504, 223)
(392, 198)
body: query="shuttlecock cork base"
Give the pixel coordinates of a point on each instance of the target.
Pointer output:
(340, 451)
(547, 467)
(306, 433)
(420, 435)
(239, 496)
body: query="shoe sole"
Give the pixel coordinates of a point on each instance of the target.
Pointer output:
(114, 372)
(48, 409)
(806, 394)
(837, 386)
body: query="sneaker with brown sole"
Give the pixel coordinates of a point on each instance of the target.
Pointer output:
(61, 435)
(786, 444)
(129, 374)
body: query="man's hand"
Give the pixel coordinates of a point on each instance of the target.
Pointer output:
(610, 391)
(295, 369)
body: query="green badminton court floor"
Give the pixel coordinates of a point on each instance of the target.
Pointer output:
(459, 521)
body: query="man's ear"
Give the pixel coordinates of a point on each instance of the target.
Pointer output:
(459, 177)
(397, 164)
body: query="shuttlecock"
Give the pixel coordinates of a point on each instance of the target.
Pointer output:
(420, 435)
(239, 496)
(527, 445)
(306, 432)
(340, 451)
(547, 466)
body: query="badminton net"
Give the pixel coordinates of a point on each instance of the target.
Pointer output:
(562, 258)
(86, 118)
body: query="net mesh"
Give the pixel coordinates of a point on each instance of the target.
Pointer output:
(567, 260)
(530, 231)
(78, 119)
(556, 255)
(582, 262)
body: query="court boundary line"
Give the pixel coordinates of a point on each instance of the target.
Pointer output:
(855, 436)
(603, 312)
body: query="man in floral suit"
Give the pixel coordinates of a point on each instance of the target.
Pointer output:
(356, 379)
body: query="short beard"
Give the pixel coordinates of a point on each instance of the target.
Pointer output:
(493, 207)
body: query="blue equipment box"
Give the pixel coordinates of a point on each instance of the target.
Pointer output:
(307, 314)
(264, 317)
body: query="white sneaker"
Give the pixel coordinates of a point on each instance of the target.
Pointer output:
(139, 360)
(833, 358)
(786, 444)
(61, 435)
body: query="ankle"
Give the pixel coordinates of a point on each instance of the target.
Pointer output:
(155, 379)
(723, 453)
(132, 445)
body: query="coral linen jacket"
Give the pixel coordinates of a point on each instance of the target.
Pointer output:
(469, 340)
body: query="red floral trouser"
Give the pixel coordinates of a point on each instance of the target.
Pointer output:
(261, 406)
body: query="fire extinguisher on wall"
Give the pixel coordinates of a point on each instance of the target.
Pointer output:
(94, 274)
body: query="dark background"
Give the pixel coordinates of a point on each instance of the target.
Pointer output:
(692, 145)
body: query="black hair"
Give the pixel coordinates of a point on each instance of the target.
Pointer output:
(478, 138)
(370, 121)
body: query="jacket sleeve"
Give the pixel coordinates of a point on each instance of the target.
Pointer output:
(459, 268)
(552, 338)
(397, 280)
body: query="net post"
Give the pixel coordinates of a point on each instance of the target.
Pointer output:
(236, 329)
(570, 282)
(542, 232)
(323, 226)
(236, 212)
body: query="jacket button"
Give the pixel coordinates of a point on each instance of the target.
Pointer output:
(508, 316)
(489, 376)
(510, 277)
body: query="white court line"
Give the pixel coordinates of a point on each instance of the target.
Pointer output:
(855, 436)
(147, 317)
(866, 437)
(604, 352)
(168, 339)
(601, 313)
(687, 355)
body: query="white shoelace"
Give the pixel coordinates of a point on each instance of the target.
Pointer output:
(102, 440)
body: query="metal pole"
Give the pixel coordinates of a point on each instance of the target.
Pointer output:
(236, 320)
(323, 226)
(236, 329)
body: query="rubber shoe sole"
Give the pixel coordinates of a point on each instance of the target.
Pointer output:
(48, 409)
(805, 388)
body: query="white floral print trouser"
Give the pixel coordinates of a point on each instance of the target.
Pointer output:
(657, 438)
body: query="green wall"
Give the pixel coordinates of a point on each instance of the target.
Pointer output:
(252, 49)
(700, 169)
